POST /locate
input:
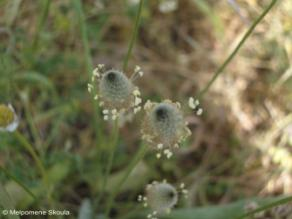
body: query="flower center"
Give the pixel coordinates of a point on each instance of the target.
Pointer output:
(161, 114)
(111, 76)
(170, 194)
(6, 115)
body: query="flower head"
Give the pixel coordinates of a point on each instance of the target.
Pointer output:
(161, 197)
(116, 92)
(164, 126)
(194, 105)
(8, 118)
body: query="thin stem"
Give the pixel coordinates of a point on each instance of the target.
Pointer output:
(89, 69)
(37, 160)
(138, 157)
(134, 35)
(113, 146)
(89, 64)
(25, 188)
(235, 51)
(142, 150)
(30, 149)
(32, 126)
(41, 23)
(268, 206)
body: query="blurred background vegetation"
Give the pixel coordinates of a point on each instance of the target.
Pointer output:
(241, 146)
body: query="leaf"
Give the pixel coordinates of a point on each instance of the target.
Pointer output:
(17, 182)
(22, 199)
(228, 211)
(59, 172)
(34, 78)
(138, 177)
(6, 201)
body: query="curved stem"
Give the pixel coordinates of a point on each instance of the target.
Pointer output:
(138, 157)
(17, 182)
(134, 35)
(235, 51)
(30, 149)
(37, 160)
(265, 207)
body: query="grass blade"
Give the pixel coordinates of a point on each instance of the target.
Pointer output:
(17, 182)
(134, 35)
(237, 48)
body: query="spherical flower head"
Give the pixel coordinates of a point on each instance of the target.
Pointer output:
(161, 197)
(115, 88)
(164, 125)
(8, 118)
(116, 92)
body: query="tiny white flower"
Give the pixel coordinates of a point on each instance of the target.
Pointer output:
(200, 111)
(105, 111)
(192, 104)
(158, 155)
(137, 68)
(138, 100)
(160, 146)
(169, 155)
(136, 92)
(182, 185)
(114, 111)
(137, 109)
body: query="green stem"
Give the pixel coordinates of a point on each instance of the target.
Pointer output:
(265, 207)
(32, 126)
(142, 151)
(88, 64)
(134, 35)
(235, 51)
(138, 157)
(18, 182)
(37, 160)
(113, 145)
(89, 69)
(30, 149)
